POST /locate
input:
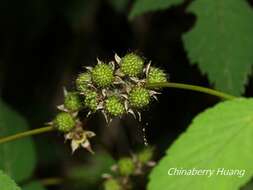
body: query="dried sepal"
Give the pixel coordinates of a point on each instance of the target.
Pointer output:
(80, 138)
(117, 58)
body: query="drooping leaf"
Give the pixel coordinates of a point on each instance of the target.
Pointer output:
(221, 42)
(35, 185)
(143, 6)
(6, 183)
(220, 137)
(17, 158)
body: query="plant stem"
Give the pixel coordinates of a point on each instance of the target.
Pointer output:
(192, 88)
(153, 85)
(51, 181)
(25, 134)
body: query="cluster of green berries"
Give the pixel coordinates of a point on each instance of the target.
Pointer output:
(118, 87)
(115, 88)
(128, 167)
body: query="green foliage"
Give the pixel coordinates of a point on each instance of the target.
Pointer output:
(220, 137)
(221, 42)
(143, 6)
(34, 185)
(17, 158)
(6, 183)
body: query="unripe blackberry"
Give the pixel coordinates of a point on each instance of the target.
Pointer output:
(114, 106)
(131, 65)
(139, 97)
(72, 101)
(126, 166)
(145, 155)
(64, 122)
(90, 100)
(102, 75)
(156, 75)
(82, 81)
(112, 184)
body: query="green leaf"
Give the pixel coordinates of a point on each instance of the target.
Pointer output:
(34, 185)
(220, 137)
(6, 183)
(221, 43)
(17, 158)
(143, 6)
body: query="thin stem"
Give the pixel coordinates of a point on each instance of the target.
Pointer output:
(26, 133)
(153, 85)
(192, 88)
(51, 181)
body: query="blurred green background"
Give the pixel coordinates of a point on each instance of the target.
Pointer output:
(45, 44)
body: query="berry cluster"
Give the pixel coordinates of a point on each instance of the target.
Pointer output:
(119, 87)
(128, 167)
(115, 89)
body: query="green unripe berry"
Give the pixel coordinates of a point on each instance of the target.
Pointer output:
(90, 100)
(145, 155)
(72, 101)
(82, 81)
(112, 184)
(102, 75)
(126, 166)
(139, 97)
(156, 75)
(64, 122)
(114, 106)
(131, 65)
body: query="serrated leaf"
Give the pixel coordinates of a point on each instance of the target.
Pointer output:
(17, 158)
(220, 137)
(6, 183)
(221, 42)
(143, 6)
(34, 185)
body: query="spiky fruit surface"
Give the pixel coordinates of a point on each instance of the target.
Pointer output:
(139, 97)
(112, 184)
(145, 155)
(102, 75)
(64, 122)
(132, 65)
(82, 81)
(114, 106)
(126, 166)
(72, 101)
(90, 100)
(156, 75)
